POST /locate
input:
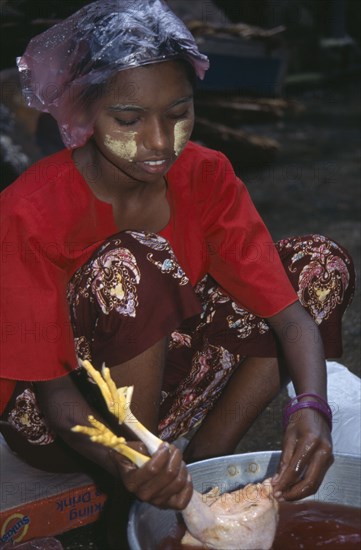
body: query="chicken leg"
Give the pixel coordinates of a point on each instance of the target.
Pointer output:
(243, 519)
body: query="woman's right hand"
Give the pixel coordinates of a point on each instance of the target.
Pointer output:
(163, 481)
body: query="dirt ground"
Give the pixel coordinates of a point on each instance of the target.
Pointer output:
(312, 186)
(314, 183)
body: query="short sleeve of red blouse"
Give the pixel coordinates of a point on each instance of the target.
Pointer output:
(241, 254)
(217, 230)
(50, 225)
(35, 318)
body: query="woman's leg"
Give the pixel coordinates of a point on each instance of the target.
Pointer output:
(252, 386)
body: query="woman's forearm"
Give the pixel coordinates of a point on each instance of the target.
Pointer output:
(162, 481)
(64, 407)
(302, 349)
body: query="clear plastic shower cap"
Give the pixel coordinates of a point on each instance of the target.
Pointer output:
(63, 66)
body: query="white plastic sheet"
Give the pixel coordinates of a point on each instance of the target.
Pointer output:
(344, 398)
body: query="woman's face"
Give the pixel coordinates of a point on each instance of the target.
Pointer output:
(145, 120)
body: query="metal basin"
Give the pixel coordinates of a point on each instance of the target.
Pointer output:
(149, 525)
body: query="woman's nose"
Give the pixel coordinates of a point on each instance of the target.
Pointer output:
(156, 136)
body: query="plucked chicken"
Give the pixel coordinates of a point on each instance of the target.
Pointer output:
(243, 519)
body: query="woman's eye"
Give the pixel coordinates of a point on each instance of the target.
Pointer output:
(122, 122)
(181, 115)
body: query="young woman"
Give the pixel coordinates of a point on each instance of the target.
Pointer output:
(170, 276)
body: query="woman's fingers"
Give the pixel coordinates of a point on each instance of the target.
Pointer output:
(166, 476)
(288, 450)
(312, 479)
(306, 456)
(179, 500)
(294, 465)
(163, 481)
(178, 490)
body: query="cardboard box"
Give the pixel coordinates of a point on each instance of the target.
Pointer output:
(34, 503)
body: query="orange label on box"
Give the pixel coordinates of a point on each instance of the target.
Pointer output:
(51, 516)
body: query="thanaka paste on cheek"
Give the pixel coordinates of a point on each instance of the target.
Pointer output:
(181, 135)
(124, 148)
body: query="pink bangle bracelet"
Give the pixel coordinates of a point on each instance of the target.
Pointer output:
(314, 395)
(320, 406)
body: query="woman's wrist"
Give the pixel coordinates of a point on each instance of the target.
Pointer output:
(307, 401)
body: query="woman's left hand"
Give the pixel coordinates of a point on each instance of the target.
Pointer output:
(163, 481)
(306, 456)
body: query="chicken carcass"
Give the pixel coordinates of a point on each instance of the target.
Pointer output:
(245, 519)
(242, 519)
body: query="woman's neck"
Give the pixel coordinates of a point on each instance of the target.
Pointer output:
(136, 204)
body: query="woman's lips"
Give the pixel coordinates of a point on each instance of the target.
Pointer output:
(154, 166)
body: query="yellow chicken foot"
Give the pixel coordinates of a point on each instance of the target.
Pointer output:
(118, 401)
(99, 433)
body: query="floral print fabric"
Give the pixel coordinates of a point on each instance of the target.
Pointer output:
(324, 277)
(133, 292)
(128, 296)
(27, 419)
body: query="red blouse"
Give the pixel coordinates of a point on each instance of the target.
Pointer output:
(52, 223)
